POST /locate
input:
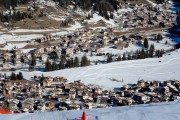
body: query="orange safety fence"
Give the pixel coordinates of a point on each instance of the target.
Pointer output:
(4, 111)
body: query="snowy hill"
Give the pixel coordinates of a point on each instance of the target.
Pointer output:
(160, 111)
(110, 75)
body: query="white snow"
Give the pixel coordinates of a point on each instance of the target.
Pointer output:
(61, 33)
(97, 17)
(154, 4)
(32, 30)
(158, 111)
(57, 18)
(129, 71)
(27, 50)
(124, 10)
(11, 46)
(77, 25)
(6, 37)
(132, 48)
(111, 22)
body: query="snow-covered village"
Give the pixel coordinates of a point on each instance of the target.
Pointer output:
(93, 60)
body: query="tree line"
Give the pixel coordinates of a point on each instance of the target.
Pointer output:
(15, 76)
(12, 3)
(66, 63)
(139, 54)
(15, 16)
(104, 7)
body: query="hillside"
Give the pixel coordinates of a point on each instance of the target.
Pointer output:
(110, 75)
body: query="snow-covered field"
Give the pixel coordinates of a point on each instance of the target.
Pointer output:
(77, 25)
(133, 48)
(7, 37)
(160, 111)
(11, 46)
(32, 30)
(152, 3)
(165, 68)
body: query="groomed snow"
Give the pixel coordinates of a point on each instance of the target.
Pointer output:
(57, 18)
(165, 68)
(131, 48)
(11, 46)
(97, 18)
(77, 25)
(159, 111)
(61, 33)
(33, 30)
(152, 3)
(6, 37)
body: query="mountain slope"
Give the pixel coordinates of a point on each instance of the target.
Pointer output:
(111, 75)
(160, 111)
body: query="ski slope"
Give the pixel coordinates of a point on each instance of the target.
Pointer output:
(159, 111)
(109, 76)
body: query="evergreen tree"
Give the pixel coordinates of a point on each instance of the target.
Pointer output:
(47, 65)
(91, 54)
(13, 76)
(19, 105)
(157, 53)
(62, 62)
(146, 55)
(76, 62)
(22, 59)
(101, 6)
(68, 63)
(14, 61)
(31, 68)
(53, 66)
(166, 42)
(161, 53)
(134, 57)
(109, 58)
(151, 50)
(4, 60)
(61, 65)
(40, 59)
(124, 56)
(71, 63)
(54, 55)
(129, 56)
(161, 24)
(142, 54)
(119, 58)
(84, 61)
(42, 79)
(159, 37)
(33, 59)
(146, 44)
(20, 76)
(111, 15)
